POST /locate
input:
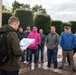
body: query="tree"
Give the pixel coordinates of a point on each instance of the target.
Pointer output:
(16, 5)
(25, 6)
(5, 9)
(39, 9)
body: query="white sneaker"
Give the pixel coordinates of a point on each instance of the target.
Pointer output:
(24, 62)
(47, 68)
(55, 70)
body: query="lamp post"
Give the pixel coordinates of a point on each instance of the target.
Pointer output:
(0, 13)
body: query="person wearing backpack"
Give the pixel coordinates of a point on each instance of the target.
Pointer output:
(12, 66)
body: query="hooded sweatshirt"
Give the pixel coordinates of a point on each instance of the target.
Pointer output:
(36, 36)
(68, 42)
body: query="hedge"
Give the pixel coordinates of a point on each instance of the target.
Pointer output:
(25, 16)
(59, 26)
(73, 26)
(42, 21)
(5, 17)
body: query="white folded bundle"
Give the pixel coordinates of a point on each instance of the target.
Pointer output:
(25, 43)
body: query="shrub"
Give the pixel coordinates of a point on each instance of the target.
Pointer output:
(43, 21)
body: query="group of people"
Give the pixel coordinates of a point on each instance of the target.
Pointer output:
(36, 47)
(67, 42)
(52, 40)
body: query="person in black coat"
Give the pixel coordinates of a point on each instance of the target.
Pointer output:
(21, 35)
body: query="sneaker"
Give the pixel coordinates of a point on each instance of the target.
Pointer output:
(47, 68)
(24, 62)
(55, 70)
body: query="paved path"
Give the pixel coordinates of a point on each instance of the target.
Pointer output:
(66, 71)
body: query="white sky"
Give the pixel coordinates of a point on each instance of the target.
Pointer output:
(64, 10)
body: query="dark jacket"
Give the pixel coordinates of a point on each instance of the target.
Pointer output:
(42, 40)
(21, 35)
(14, 48)
(26, 33)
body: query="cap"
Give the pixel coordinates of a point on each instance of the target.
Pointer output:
(68, 27)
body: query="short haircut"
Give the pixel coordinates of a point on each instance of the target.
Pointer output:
(53, 26)
(41, 29)
(13, 19)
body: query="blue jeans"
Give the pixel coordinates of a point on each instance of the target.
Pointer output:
(42, 53)
(35, 51)
(23, 56)
(52, 53)
(8, 72)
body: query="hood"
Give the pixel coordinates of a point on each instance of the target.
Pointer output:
(7, 28)
(35, 31)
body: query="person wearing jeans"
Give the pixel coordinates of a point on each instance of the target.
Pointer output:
(27, 32)
(41, 46)
(52, 42)
(34, 47)
(21, 35)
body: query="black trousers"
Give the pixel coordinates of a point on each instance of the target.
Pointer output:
(27, 54)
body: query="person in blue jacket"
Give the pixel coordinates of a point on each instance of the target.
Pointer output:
(68, 44)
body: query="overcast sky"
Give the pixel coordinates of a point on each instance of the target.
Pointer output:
(64, 10)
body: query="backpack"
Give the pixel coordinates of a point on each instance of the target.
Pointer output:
(4, 54)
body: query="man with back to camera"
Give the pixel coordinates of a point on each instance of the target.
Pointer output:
(13, 65)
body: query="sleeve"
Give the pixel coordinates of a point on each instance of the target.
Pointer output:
(15, 44)
(46, 40)
(39, 40)
(61, 41)
(57, 41)
(43, 41)
(74, 42)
